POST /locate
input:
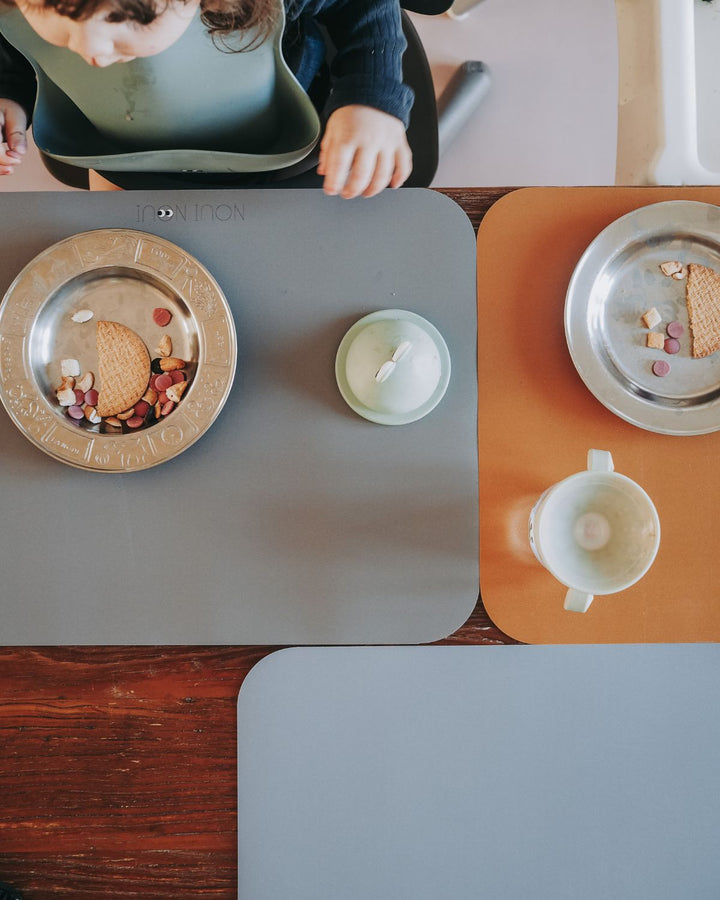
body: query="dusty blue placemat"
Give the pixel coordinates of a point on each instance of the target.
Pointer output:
(292, 520)
(504, 772)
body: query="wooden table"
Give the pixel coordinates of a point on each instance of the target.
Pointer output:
(118, 767)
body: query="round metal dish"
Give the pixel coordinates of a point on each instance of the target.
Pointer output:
(121, 275)
(617, 279)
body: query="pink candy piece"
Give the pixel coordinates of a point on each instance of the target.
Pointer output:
(660, 367)
(167, 408)
(79, 397)
(675, 329)
(141, 408)
(76, 412)
(672, 345)
(161, 316)
(91, 397)
(163, 382)
(134, 421)
(177, 375)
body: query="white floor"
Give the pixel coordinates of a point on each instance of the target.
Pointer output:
(550, 117)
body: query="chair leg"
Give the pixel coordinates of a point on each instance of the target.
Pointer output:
(458, 101)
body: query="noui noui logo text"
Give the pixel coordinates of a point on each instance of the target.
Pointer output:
(191, 212)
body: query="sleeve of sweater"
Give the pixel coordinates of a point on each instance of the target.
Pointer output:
(17, 78)
(369, 44)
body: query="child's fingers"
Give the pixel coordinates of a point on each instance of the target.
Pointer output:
(8, 160)
(13, 124)
(337, 164)
(403, 167)
(320, 168)
(384, 169)
(17, 144)
(360, 175)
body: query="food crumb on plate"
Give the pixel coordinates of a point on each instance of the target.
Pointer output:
(70, 367)
(82, 315)
(673, 269)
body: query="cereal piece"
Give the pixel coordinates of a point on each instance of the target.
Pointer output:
(675, 329)
(651, 318)
(670, 268)
(660, 368)
(91, 414)
(86, 382)
(672, 345)
(70, 367)
(113, 421)
(66, 397)
(83, 315)
(169, 363)
(161, 316)
(655, 340)
(164, 347)
(174, 392)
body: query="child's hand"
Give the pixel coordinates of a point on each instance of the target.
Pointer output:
(363, 151)
(13, 145)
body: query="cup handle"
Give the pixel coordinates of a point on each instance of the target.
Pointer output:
(600, 461)
(578, 601)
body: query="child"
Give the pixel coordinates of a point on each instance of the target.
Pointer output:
(364, 148)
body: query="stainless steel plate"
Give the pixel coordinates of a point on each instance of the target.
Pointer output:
(121, 275)
(616, 280)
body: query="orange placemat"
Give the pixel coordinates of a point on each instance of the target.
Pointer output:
(537, 420)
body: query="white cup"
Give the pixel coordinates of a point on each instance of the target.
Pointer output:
(597, 531)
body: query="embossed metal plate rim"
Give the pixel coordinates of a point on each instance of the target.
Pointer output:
(34, 320)
(616, 280)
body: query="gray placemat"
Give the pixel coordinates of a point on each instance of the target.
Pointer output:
(507, 773)
(292, 520)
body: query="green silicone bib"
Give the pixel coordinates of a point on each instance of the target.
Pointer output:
(192, 108)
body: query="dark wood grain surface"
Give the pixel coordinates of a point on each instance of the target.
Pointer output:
(117, 764)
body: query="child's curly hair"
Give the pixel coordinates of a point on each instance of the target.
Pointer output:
(221, 17)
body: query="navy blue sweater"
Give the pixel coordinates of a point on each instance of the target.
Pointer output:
(367, 67)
